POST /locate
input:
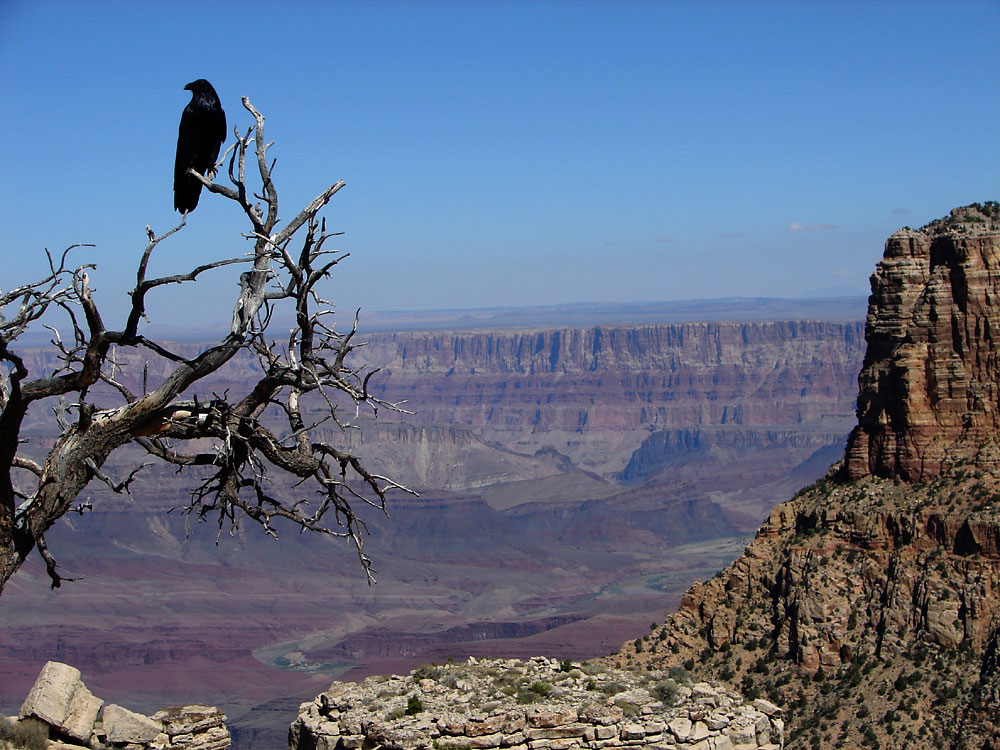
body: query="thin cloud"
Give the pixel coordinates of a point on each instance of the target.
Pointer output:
(730, 235)
(844, 273)
(796, 227)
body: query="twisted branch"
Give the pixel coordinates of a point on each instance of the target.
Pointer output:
(310, 377)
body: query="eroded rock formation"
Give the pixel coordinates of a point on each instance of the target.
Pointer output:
(869, 605)
(929, 389)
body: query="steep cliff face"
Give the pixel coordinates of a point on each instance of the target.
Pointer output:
(594, 395)
(929, 387)
(870, 603)
(655, 348)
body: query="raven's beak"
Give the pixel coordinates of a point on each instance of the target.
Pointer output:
(189, 87)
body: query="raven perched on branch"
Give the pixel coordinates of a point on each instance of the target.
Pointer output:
(199, 138)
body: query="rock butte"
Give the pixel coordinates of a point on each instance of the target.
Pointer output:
(930, 385)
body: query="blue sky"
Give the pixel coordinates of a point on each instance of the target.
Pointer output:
(507, 153)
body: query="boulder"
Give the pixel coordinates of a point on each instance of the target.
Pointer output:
(124, 726)
(189, 719)
(766, 707)
(551, 716)
(680, 728)
(61, 700)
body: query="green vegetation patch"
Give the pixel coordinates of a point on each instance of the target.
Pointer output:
(27, 734)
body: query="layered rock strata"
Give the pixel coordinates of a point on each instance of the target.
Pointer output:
(595, 394)
(540, 704)
(493, 407)
(869, 604)
(930, 384)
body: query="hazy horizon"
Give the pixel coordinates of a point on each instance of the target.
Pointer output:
(542, 317)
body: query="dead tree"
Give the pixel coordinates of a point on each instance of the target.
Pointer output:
(313, 361)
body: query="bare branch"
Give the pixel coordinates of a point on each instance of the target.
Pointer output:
(308, 212)
(20, 462)
(51, 564)
(311, 377)
(116, 487)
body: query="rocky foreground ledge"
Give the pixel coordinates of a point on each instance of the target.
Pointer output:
(62, 714)
(540, 704)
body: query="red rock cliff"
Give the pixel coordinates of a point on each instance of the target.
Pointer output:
(929, 386)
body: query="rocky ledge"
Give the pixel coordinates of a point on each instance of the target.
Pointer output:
(534, 705)
(62, 706)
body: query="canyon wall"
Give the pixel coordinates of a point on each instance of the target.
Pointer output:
(593, 395)
(608, 400)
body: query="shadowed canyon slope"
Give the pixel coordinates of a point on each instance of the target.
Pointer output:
(870, 603)
(569, 480)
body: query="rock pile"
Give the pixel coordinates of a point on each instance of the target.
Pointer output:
(61, 700)
(540, 704)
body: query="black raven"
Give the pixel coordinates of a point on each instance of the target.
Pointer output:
(199, 138)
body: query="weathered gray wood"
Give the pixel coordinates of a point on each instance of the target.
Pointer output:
(314, 359)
